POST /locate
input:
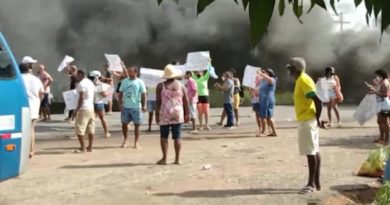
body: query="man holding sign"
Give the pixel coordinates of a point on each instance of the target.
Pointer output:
(132, 93)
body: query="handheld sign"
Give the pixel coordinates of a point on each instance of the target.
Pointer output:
(151, 77)
(114, 62)
(250, 75)
(182, 68)
(322, 91)
(367, 109)
(70, 99)
(198, 61)
(67, 59)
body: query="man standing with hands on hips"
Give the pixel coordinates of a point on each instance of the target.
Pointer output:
(308, 109)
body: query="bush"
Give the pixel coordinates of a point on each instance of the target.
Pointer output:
(383, 195)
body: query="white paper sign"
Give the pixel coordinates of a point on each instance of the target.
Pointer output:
(67, 59)
(114, 62)
(182, 68)
(71, 99)
(250, 75)
(7, 122)
(322, 90)
(151, 77)
(367, 109)
(198, 61)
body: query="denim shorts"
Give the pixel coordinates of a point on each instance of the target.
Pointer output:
(131, 115)
(151, 105)
(99, 107)
(176, 131)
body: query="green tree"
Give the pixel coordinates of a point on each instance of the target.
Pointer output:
(260, 11)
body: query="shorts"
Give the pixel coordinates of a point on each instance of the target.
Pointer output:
(85, 122)
(266, 109)
(99, 107)
(236, 101)
(176, 131)
(192, 109)
(45, 101)
(332, 94)
(151, 105)
(308, 137)
(256, 107)
(131, 115)
(203, 99)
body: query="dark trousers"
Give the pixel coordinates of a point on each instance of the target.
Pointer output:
(229, 113)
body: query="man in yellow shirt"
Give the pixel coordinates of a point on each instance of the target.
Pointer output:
(308, 109)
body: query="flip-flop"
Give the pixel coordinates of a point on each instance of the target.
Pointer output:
(306, 190)
(272, 135)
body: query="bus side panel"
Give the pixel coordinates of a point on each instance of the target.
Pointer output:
(10, 159)
(26, 139)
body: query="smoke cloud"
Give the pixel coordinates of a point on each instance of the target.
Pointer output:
(148, 35)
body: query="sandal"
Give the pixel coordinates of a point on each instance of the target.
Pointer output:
(272, 135)
(306, 190)
(79, 150)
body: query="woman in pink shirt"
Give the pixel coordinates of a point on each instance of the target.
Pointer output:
(192, 92)
(171, 111)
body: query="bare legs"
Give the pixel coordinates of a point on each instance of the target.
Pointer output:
(177, 151)
(271, 125)
(125, 135)
(32, 145)
(237, 117)
(383, 123)
(150, 121)
(332, 105)
(46, 113)
(109, 105)
(164, 149)
(82, 144)
(314, 162)
(100, 114)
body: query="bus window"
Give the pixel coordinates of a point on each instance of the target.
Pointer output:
(6, 69)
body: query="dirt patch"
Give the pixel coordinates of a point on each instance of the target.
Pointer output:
(350, 195)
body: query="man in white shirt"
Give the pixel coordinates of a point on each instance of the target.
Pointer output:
(34, 90)
(84, 113)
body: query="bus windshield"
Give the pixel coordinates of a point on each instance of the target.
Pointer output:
(6, 69)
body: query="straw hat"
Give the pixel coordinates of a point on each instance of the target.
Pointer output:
(171, 72)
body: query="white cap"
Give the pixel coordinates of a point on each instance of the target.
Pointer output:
(28, 59)
(95, 74)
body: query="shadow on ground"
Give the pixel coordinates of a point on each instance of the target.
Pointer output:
(92, 166)
(358, 193)
(228, 193)
(360, 142)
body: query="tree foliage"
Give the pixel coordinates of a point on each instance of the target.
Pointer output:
(260, 11)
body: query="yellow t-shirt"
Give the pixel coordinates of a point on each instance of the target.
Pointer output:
(305, 108)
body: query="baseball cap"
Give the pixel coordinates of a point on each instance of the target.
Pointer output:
(298, 63)
(28, 59)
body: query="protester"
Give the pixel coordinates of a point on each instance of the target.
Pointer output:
(151, 106)
(172, 111)
(132, 94)
(202, 79)
(72, 73)
(108, 79)
(228, 90)
(46, 80)
(382, 91)
(84, 112)
(29, 61)
(192, 92)
(308, 109)
(35, 91)
(236, 100)
(267, 100)
(102, 91)
(333, 87)
(254, 92)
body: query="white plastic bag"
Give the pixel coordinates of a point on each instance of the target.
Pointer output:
(322, 91)
(367, 109)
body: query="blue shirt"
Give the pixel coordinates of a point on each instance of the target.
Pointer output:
(132, 91)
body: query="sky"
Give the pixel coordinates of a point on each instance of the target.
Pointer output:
(356, 16)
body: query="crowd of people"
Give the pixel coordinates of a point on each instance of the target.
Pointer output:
(185, 98)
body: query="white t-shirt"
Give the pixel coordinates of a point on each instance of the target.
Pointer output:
(151, 94)
(34, 87)
(100, 88)
(87, 87)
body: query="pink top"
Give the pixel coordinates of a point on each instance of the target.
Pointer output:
(172, 111)
(192, 90)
